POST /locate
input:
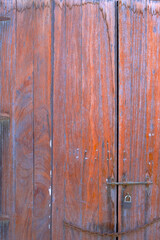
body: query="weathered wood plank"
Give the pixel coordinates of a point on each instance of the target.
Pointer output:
(132, 114)
(42, 124)
(107, 117)
(153, 117)
(59, 140)
(4, 178)
(90, 118)
(7, 77)
(24, 124)
(138, 115)
(73, 186)
(84, 80)
(98, 120)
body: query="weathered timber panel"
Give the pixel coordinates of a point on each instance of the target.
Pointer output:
(24, 124)
(84, 118)
(4, 177)
(152, 160)
(139, 99)
(73, 177)
(59, 108)
(42, 124)
(81, 117)
(7, 77)
(28, 34)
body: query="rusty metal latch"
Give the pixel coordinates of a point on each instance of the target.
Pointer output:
(128, 183)
(4, 19)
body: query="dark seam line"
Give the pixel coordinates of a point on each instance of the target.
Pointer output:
(33, 126)
(52, 106)
(65, 160)
(117, 106)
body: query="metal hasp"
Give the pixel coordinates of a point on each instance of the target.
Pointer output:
(127, 183)
(4, 19)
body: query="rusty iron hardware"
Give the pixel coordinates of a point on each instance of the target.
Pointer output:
(127, 198)
(127, 203)
(4, 19)
(4, 218)
(127, 183)
(112, 234)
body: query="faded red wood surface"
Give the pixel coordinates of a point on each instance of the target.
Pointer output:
(84, 126)
(58, 85)
(42, 124)
(139, 98)
(7, 77)
(24, 124)
(4, 177)
(25, 91)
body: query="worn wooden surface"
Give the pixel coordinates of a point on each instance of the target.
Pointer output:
(7, 77)
(84, 126)
(25, 90)
(42, 124)
(24, 124)
(139, 98)
(58, 84)
(153, 117)
(4, 177)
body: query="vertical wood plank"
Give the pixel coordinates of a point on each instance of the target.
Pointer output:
(90, 117)
(7, 78)
(98, 124)
(42, 123)
(73, 182)
(132, 113)
(107, 117)
(152, 118)
(24, 124)
(138, 114)
(80, 131)
(59, 137)
(4, 176)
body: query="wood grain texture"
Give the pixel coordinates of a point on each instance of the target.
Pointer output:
(42, 124)
(107, 117)
(24, 124)
(84, 122)
(22, 5)
(131, 117)
(90, 117)
(153, 118)
(59, 139)
(136, 119)
(84, 116)
(98, 117)
(7, 77)
(73, 173)
(4, 177)
(7, 7)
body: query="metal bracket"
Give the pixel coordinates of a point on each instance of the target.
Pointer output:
(127, 183)
(4, 19)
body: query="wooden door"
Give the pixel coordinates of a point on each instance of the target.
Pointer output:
(107, 74)
(80, 83)
(139, 116)
(84, 118)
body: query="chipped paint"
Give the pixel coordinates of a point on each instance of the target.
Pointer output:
(49, 190)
